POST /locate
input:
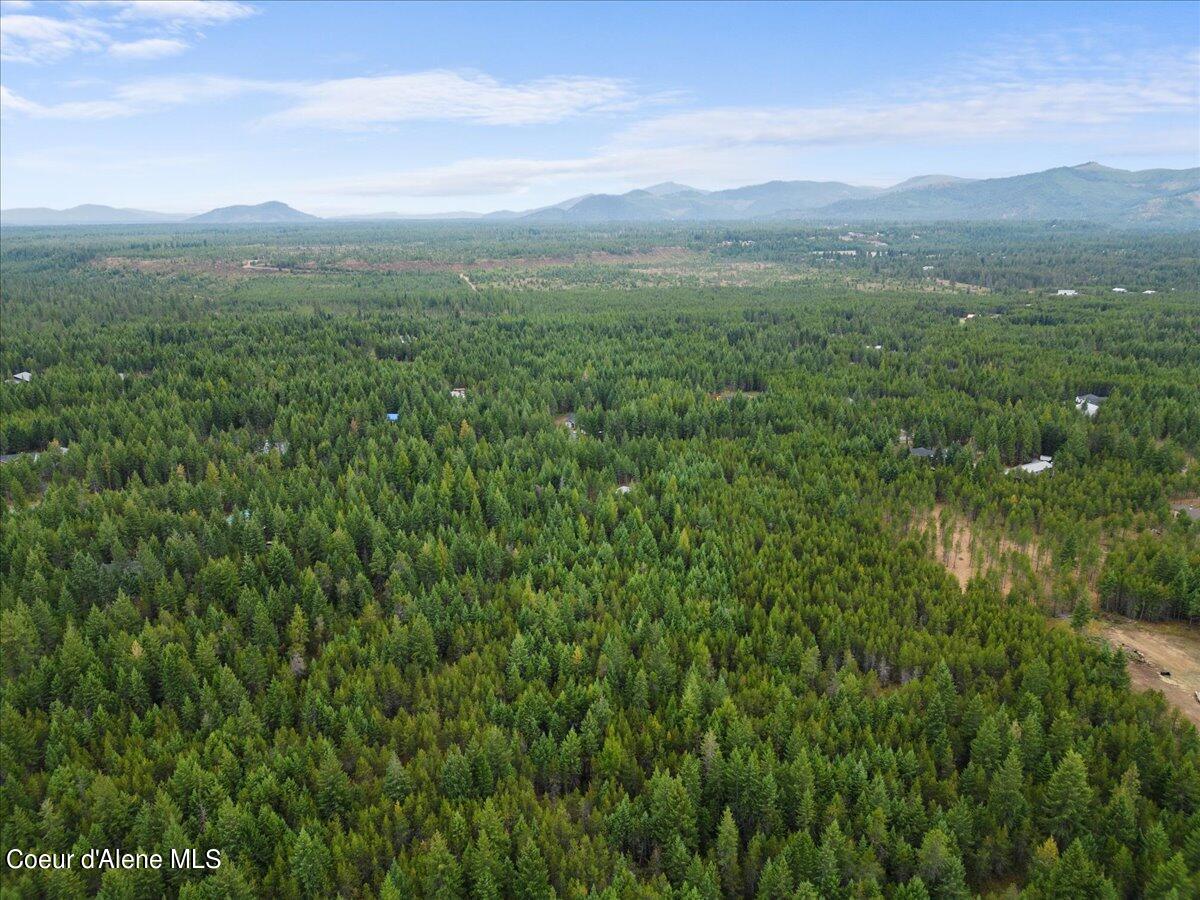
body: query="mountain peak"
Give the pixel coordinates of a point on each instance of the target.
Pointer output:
(667, 188)
(271, 212)
(926, 181)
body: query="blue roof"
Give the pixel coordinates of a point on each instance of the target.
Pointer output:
(393, 417)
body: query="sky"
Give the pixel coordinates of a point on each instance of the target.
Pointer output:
(337, 108)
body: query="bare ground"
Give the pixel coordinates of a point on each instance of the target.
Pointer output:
(351, 264)
(1150, 647)
(966, 554)
(1155, 647)
(730, 393)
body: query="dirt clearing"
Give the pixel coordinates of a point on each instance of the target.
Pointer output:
(966, 553)
(1155, 647)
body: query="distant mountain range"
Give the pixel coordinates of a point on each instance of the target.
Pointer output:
(87, 214)
(1087, 193)
(270, 213)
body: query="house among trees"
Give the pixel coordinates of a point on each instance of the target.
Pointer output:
(458, 393)
(13, 457)
(1119, 290)
(922, 452)
(1089, 404)
(1041, 464)
(1066, 292)
(393, 417)
(23, 377)
(1184, 509)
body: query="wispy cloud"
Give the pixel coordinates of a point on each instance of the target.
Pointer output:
(82, 110)
(348, 103)
(182, 12)
(1006, 105)
(126, 29)
(1023, 91)
(501, 176)
(147, 48)
(446, 95)
(42, 39)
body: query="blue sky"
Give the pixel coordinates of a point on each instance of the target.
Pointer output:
(181, 106)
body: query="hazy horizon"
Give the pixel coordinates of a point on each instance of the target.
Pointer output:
(420, 109)
(449, 212)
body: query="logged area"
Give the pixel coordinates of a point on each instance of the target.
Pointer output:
(416, 560)
(1162, 657)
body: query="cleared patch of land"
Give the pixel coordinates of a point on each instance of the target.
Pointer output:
(730, 393)
(966, 552)
(1155, 647)
(352, 263)
(1151, 648)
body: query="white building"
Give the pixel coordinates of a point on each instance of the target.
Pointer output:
(1089, 404)
(458, 393)
(1041, 464)
(1120, 291)
(1066, 292)
(25, 377)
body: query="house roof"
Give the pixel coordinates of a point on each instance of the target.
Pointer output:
(1183, 509)
(923, 452)
(1034, 467)
(1090, 398)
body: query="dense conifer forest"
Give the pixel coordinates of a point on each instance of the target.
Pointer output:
(494, 561)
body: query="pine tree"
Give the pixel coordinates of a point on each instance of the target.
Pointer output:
(396, 781)
(532, 879)
(311, 864)
(728, 846)
(1067, 801)
(941, 867)
(442, 877)
(775, 880)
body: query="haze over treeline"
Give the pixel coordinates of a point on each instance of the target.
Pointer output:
(1088, 192)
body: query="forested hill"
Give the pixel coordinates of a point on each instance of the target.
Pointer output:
(458, 563)
(1086, 193)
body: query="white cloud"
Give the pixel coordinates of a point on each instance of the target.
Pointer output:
(183, 12)
(41, 39)
(972, 110)
(147, 48)
(444, 95)
(11, 102)
(1019, 94)
(107, 25)
(435, 95)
